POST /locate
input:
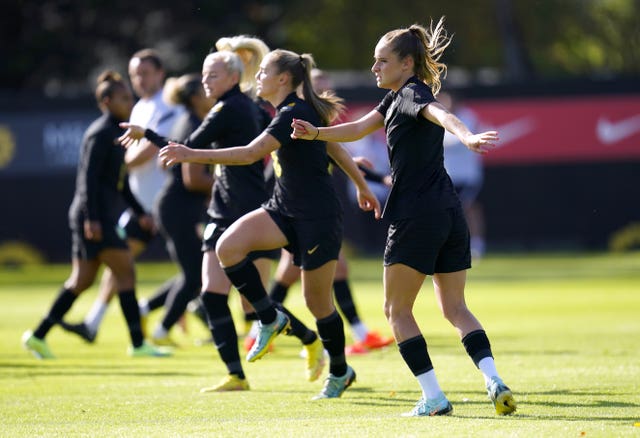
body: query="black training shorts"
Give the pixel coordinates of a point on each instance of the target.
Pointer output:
(437, 242)
(312, 242)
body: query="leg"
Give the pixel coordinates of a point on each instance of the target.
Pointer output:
(401, 287)
(449, 290)
(214, 296)
(254, 231)
(286, 274)
(120, 261)
(316, 288)
(188, 256)
(106, 292)
(83, 274)
(365, 339)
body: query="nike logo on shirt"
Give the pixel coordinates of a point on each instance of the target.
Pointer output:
(312, 250)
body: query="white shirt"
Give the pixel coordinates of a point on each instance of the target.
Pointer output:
(147, 179)
(463, 165)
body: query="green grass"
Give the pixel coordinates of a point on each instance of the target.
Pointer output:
(565, 331)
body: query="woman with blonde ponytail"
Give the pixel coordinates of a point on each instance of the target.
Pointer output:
(303, 214)
(428, 234)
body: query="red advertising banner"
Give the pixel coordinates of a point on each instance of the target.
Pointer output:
(559, 130)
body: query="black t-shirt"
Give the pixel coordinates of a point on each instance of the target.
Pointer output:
(420, 181)
(235, 120)
(303, 185)
(101, 179)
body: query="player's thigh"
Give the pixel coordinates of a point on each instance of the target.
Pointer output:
(255, 231)
(402, 284)
(83, 274)
(449, 290)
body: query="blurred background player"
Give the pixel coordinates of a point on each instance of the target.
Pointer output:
(101, 182)
(146, 178)
(465, 169)
(180, 207)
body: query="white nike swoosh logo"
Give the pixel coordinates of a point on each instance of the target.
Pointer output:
(613, 132)
(514, 130)
(312, 250)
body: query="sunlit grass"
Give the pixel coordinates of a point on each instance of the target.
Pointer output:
(564, 330)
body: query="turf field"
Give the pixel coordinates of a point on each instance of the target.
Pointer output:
(565, 331)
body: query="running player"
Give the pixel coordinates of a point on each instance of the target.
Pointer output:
(101, 182)
(146, 177)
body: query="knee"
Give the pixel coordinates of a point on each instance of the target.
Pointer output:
(395, 311)
(454, 313)
(227, 251)
(387, 310)
(77, 286)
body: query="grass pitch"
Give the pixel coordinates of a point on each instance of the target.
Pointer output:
(565, 332)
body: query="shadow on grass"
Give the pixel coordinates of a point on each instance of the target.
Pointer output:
(55, 368)
(526, 409)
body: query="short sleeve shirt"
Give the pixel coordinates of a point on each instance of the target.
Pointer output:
(420, 182)
(303, 188)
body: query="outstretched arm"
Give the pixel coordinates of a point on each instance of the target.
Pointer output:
(480, 143)
(349, 131)
(367, 201)
(261, 146)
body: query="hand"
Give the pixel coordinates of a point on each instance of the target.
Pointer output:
(481, 143)
(175, 153)
(303, 130)
(132, 134)
(364, 162)
(146, 223)
(367, 201)
(92, 231)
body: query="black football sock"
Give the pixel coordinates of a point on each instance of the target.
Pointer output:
(344, 299)
(477, 345)
(415, 354)
(331, 331)
(223, 330)
(298, 329)
(246, 279)
(278, 292)
(131, 312)
(59, 308)
(158, 299)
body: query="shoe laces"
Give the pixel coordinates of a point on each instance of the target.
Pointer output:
(332, 385)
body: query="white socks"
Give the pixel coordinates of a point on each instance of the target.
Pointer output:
(429, 384)
(160, 332)
(488, 368)
(359, 331)
(95, 315)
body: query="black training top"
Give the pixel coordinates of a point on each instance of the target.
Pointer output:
(235, 120)
(420, 182)
(304, 188)
(101, 180)
(174, 187)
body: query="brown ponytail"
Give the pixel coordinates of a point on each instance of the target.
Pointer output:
(426, 47)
